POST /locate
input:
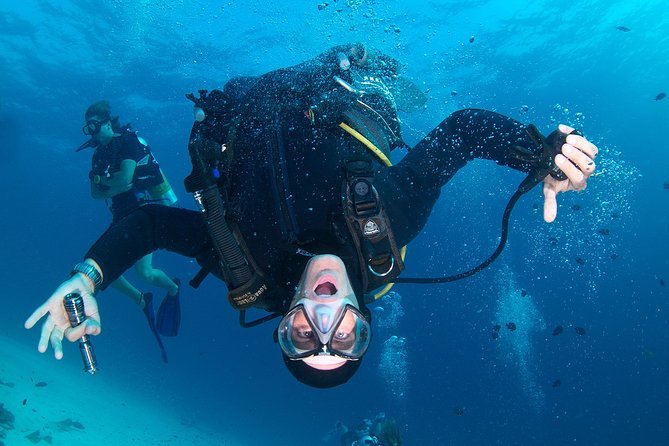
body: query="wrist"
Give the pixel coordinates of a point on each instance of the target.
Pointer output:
(90, 271)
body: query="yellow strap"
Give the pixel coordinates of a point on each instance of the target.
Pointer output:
(375, 150)
(384, 159)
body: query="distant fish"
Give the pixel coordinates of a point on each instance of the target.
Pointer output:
(496, 327)
(471, 39)
(25, 400)
(558, 330)
(660, 96)
(580, 331)
(459, 411)
(511, 326)
(580, 260)
(454, 92)
(41, 384)
(576, 207)
(623, 29)
(553, 241)
(604, 231)
(614, 256)
(523, 293)
(556, 383)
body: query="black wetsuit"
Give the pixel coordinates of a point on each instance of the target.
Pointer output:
(285, 184)
(107, 160)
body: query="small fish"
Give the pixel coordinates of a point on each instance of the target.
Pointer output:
(576, 207)
(623, 29)
(604, 231)
(660, 96)
(41, 384)
(496, 327)
(580, 260)
(454, 93)
(471, 39)
(25, 400)
(558, 330)
(511, 326)
(322, 6)
(556, 383)
(614, 256)
(459, 411)
(580, 331)
(553, 241)
(523, 293)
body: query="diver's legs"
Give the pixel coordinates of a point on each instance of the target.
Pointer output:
(154, 276)
(121, 284)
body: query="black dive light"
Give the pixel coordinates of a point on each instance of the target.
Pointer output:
(74, 306)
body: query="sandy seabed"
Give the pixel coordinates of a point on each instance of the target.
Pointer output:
(46, 404)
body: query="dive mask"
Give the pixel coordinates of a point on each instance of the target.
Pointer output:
(314, 328)
(93, 126)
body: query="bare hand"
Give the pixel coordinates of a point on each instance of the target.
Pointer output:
(577, 162)
(57, 325)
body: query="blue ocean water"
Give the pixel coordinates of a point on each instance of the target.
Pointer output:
(602, 266)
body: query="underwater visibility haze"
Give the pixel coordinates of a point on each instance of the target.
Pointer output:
(563, 340)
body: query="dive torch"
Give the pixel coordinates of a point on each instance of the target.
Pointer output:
(74, 306)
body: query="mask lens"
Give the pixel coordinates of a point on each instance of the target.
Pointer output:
(349, 337)
(297, 336)
(92, 127)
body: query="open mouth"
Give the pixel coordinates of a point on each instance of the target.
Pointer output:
(326, 289)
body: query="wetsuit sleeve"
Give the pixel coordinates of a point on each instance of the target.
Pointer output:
(148, 229)
(464, 136)
(416, 181)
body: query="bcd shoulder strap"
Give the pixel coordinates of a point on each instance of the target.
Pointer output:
(379, 258)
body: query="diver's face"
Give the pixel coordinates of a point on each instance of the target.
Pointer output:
(324, 327)
(325, 280)
(99, 129)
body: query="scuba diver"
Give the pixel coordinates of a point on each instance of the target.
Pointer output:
(126, 175)
(299, 210)
(379, 431)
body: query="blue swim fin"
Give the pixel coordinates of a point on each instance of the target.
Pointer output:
(148, 312)
(168, 318)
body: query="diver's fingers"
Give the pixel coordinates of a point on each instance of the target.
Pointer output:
(88, 327)
(584, 162)
(580, 142)
(550, 203)
(583, 145)
(565, 128)
(57, 343)
(574, 174)
(36, 316)
(44, 336)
